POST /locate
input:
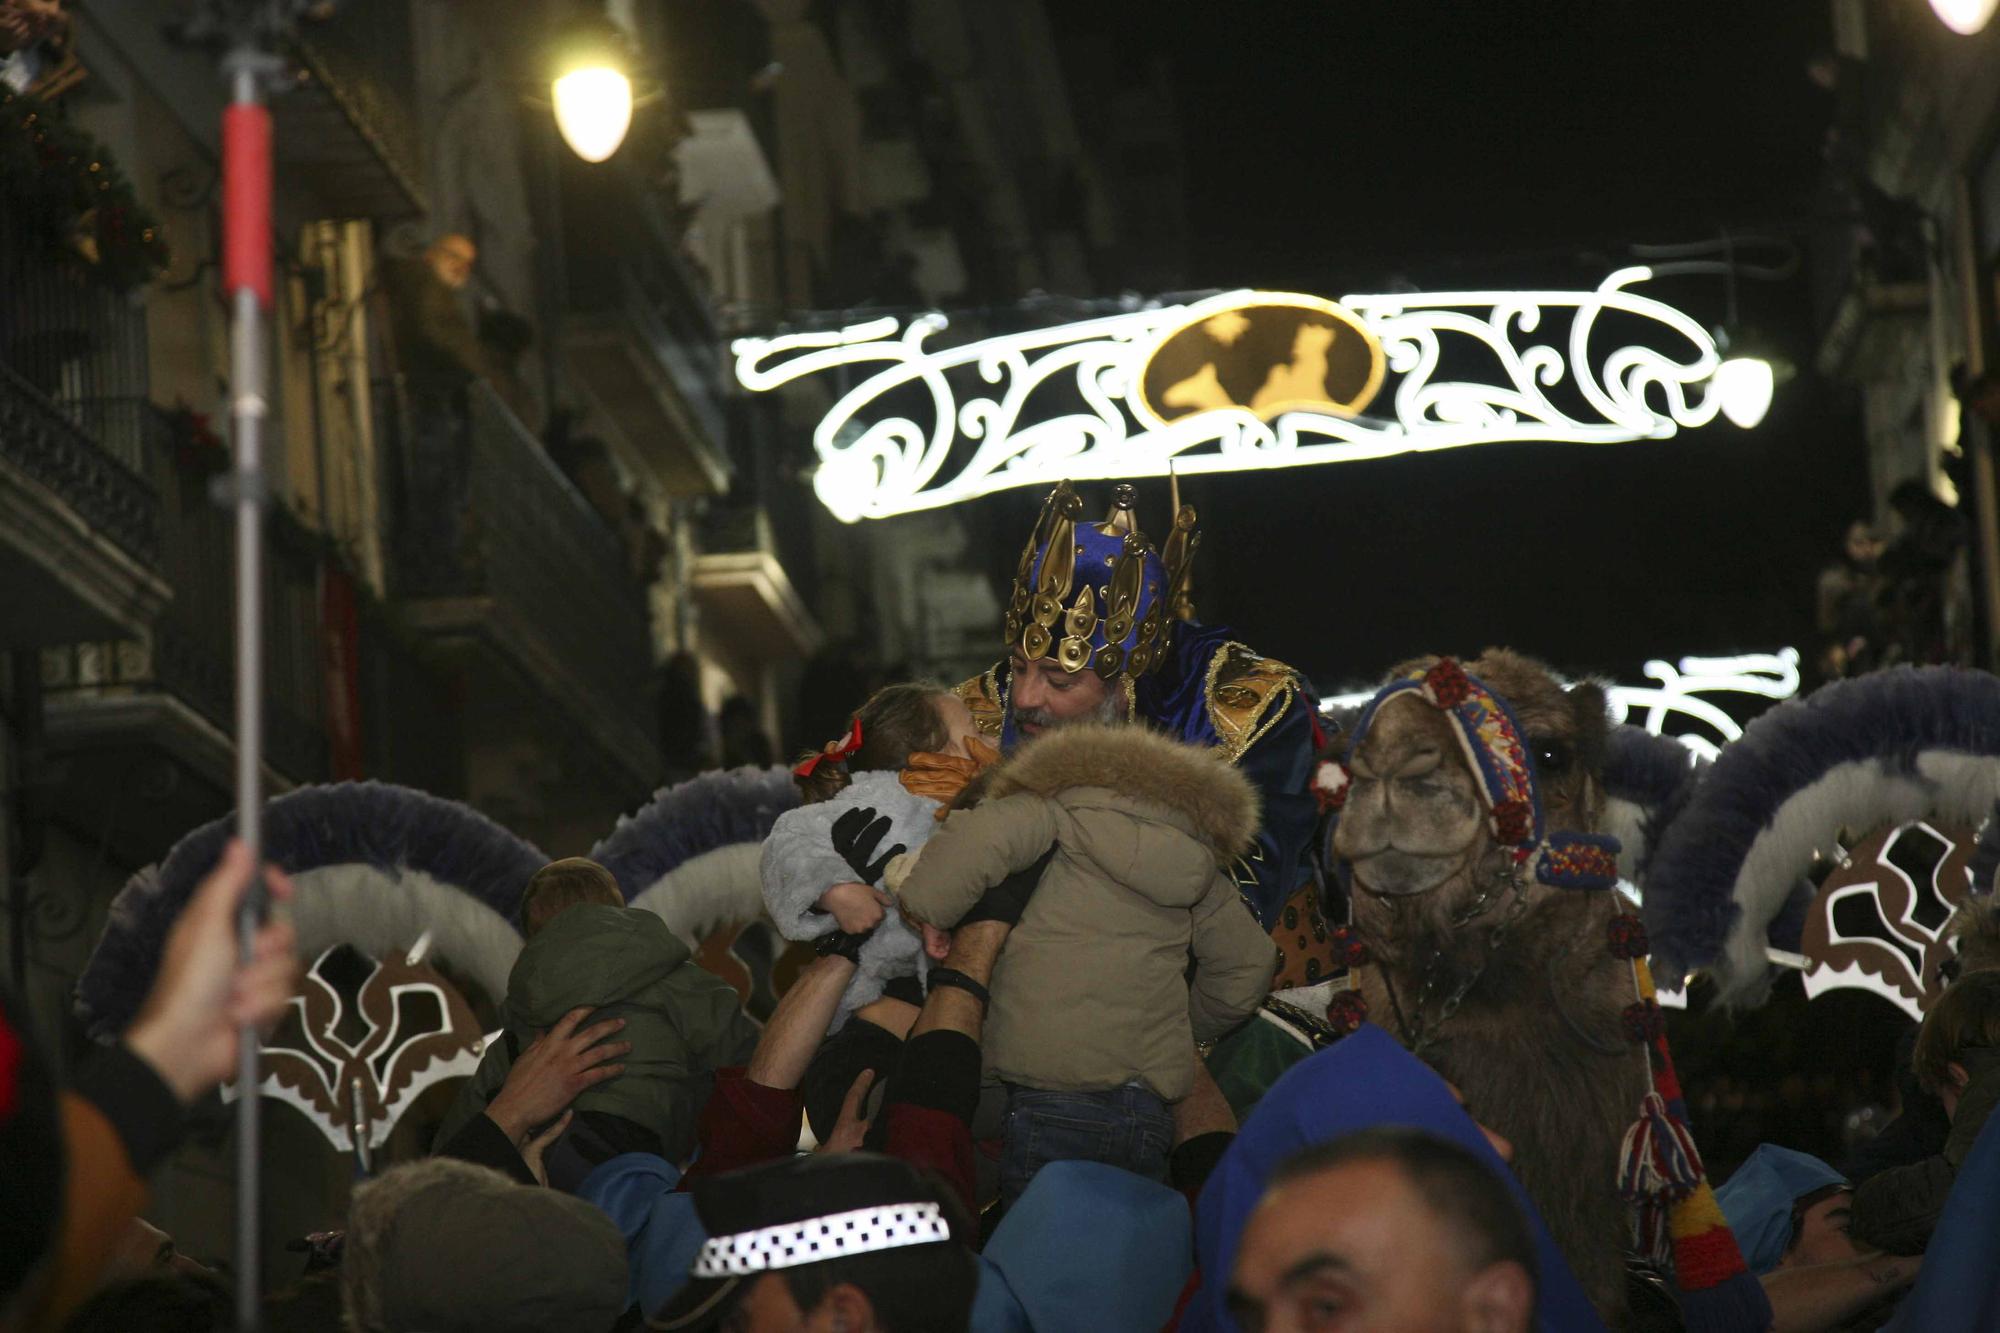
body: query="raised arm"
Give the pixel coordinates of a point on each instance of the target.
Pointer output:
(975, 850)
(798, 1025)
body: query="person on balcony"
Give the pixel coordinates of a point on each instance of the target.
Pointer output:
(439, 354)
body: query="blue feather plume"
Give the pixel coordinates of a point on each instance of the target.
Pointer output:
(1880, 729)
(690, 818)
(1652, 775)
(369, 823)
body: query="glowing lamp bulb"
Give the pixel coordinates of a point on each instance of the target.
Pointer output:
(1965, 16)
(1744, 385)
(593, 110)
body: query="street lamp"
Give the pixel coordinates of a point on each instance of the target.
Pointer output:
(1744, 386)
(592, 87)
(1965, 16)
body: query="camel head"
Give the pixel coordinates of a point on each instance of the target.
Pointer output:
(1417, 827)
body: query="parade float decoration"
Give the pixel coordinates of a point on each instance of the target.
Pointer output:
(1245, 380)
(1882, 776)
(405, 907)
(1881, 921)
(364, 1039)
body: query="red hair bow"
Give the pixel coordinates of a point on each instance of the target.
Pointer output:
(841, 750)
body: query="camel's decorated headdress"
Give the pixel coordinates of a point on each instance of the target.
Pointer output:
(1500, 758)
(1099, 595)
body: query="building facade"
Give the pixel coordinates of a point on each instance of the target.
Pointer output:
(1904, 250)
(528, 547)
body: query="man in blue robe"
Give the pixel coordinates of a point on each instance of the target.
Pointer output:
(1100, 628)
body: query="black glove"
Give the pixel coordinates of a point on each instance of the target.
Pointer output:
(1006, 900)
(855, 836)
(845, 943)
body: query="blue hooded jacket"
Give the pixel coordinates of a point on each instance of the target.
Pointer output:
(1365, 1081)
(1758, 1200)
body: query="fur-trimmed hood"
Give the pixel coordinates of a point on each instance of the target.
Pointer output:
(1218, 803)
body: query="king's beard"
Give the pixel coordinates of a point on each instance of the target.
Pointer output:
(1111, 711)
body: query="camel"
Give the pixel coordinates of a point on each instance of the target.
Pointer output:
(1502, 983)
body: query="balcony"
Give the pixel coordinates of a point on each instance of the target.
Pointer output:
(749, 607)
(641, 341)
(140, 727)
(79, 524)
(533, 607)
(346, 139)
(347, 131)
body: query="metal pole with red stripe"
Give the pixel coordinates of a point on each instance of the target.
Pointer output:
(246, 280)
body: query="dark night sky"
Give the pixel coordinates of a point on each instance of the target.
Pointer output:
(1335, 147)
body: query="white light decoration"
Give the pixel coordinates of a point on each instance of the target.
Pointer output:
(593, 110)
(1676, 691)
(1746, 385)
(1070, 402)
(1965, 16)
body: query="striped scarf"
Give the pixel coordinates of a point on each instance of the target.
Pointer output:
(1677, 1220)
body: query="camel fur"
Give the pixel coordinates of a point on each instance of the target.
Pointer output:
(1534, 1042)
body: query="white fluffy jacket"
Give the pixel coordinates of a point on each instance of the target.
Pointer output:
(799, 864)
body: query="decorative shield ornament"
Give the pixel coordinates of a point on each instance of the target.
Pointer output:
(364, 1039)
(1878, 923)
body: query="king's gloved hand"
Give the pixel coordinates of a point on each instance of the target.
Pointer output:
(856, 835)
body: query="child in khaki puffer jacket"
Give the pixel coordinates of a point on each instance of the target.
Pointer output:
(1094, 1013)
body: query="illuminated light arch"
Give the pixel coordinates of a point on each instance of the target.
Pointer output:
(983, 394)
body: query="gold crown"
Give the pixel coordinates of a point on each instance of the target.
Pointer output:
(1126, 592)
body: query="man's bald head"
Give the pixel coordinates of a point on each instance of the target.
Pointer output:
(1385, 1229)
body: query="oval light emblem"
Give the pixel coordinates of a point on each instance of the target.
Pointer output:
(1266, 353)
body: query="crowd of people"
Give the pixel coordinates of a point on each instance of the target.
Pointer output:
(987, 1103)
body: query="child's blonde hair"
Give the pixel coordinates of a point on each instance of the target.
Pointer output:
(560, 885)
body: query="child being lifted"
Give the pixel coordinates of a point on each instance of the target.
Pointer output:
(1095, 1011)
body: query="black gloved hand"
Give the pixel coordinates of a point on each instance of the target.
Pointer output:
(855, 836)
(845, 943)
(1006, 900)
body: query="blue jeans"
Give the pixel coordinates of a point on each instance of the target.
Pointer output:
(1128, 1127)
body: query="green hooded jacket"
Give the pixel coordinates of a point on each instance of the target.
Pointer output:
(621, 962)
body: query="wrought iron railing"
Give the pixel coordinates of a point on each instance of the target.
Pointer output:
(547, 551)
(72, 369)
(671, 316)
(38, 437)
(189, 653)
(363, 54)
(72, 339)
(535, 547)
